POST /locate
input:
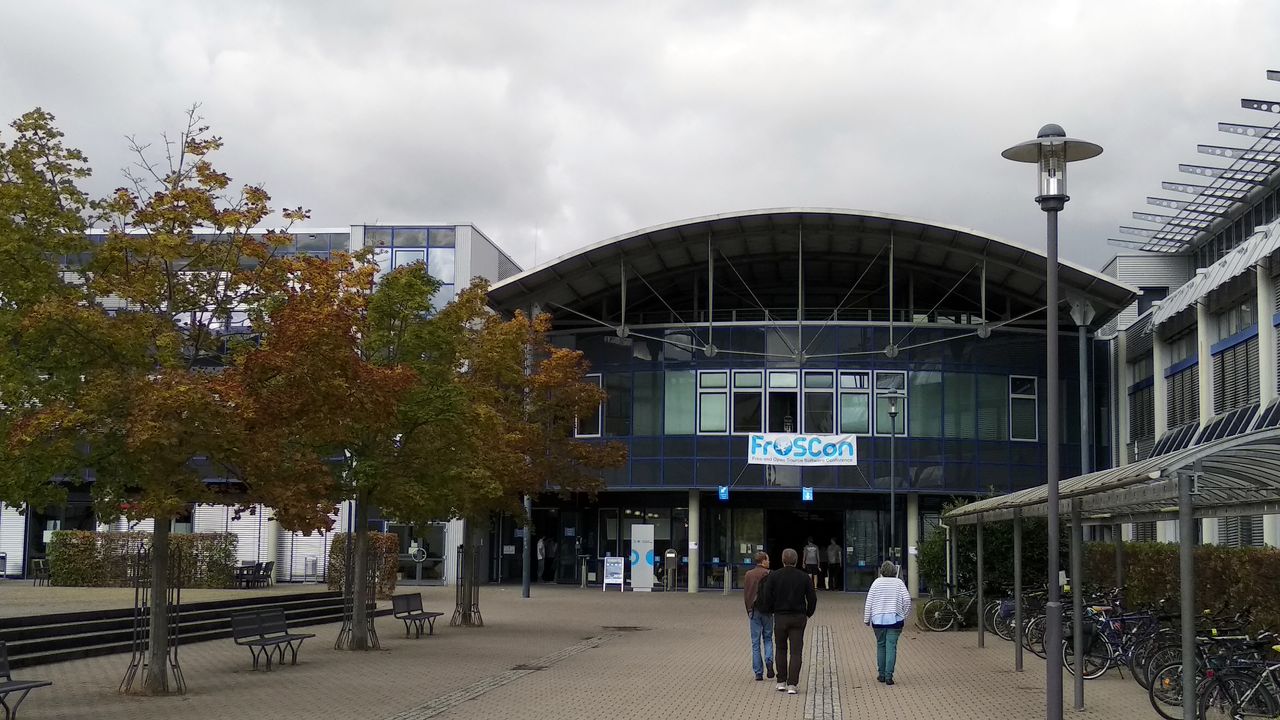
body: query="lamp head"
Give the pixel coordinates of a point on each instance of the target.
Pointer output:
(1051, 151)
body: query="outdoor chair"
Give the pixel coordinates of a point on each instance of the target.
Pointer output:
(8, 686)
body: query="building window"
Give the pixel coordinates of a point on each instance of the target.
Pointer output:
(855, 402)
(589, 425)
(1024, 411)
(890, 382)
(748, 401)
(441, 264)
(819, 402)
(784, 400)
(409, 257)
(680, 403)
(648, 403)
(1150, 296)
(1237, 319)
(617, 405)
(993, 408)
(959, 416)
(713, 402)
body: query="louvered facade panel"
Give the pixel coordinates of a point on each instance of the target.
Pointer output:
(1235, 377)
(1144, 532)
(1137, 339)
(1142, 413)
(1184, 396)
(295, 549)
(1244, 531)
(13, 539)
(210, 518)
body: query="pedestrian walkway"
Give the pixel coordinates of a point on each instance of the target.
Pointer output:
(568, 653)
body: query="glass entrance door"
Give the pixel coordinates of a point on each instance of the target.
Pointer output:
(748, 538)
(863, 548)
(421, 553)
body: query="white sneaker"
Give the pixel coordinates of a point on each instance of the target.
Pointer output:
(791, 689)
(782, 687)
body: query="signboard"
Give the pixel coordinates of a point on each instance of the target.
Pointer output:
(799, 449)
(508, 549)
(641, 558)
(806, 494)
(614, 571)
(723, 492)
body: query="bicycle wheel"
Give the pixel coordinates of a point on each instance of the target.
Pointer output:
(1097, 653)
(938, 615)
(1164, 656)
(1165, 691)
(1033, 635)
(1234, 695)
(1003, 626)
(989, 612)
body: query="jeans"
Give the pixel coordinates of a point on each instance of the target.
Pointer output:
(789, 627)
(886, 651)
(761, 629)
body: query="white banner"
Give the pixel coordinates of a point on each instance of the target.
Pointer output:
(796, 449)
(641, 558)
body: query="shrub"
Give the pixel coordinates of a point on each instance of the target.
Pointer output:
(384, 549)
(102, 559)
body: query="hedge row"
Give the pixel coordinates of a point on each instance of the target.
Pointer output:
(103, 559)
(385, 551)
(1225, 577)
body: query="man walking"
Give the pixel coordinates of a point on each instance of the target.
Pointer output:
(835, 566)
(811, 560)
(791, 597)
(761, 623)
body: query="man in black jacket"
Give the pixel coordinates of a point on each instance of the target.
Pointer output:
(789, 595)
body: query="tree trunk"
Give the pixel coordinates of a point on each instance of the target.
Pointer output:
(360, 596)
(156, 681)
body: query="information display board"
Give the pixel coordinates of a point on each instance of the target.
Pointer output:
(614, 573)
(642, 576)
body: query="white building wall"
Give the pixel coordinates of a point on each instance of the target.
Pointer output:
(13, 539)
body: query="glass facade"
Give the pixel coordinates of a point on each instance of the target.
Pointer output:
(399, 246)
(971, 421)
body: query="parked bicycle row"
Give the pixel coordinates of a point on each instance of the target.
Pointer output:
(1237, 675)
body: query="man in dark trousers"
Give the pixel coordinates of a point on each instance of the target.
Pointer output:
(790, 596)
(761, 623)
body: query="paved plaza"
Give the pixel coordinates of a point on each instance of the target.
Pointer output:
(568, 653)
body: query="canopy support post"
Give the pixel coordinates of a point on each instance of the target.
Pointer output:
(1117, 535)
(1017, 591)
(982, 620)
(1077, 600)
(1186, 579)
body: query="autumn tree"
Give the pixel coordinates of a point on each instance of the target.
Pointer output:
(128, 348)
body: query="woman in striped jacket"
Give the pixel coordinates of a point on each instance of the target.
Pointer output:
(888, 605)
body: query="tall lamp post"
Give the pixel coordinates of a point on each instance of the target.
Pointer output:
(1051, 151)
(893, 398)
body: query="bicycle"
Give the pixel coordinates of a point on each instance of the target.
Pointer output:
(940, 614)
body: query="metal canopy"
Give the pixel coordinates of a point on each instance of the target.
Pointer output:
(759, 242)
(1233, 476)
(1244, 256)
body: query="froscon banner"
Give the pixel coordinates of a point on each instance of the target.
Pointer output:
(798, 449)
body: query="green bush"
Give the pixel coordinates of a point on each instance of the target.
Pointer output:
(1231, 578)
(385, 549)
(102, 559)
(997, 556)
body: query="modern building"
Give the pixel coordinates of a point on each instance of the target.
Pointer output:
(801, 320)
(454, 254)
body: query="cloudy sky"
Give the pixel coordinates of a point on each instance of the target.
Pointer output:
(552, 125)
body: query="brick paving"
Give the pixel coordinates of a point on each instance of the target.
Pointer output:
(568, 653)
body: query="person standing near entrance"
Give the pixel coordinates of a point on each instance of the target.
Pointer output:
(835, 566)
(550, 549)
(760, 622)
(888, 604)
(790, 596)
(811, 560)
(541, 551)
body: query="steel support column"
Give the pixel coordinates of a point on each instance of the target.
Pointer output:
(1117, 536)
(695, 555)
(1186, 579)
(1017, 591)
(1077, 601)
(1053, 447)
(527, 555)
(982, 624)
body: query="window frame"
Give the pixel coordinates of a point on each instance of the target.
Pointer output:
(726, 391)
(598, 378)
(866, 392)
(735, 391)
(797, 390)
(1035, 398)
(830, 392)
(906, 403)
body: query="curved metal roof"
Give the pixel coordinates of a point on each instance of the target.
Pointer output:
(1264, 242)
(1237, 475)
(585, 274)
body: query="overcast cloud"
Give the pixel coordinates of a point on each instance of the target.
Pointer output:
(576, 121)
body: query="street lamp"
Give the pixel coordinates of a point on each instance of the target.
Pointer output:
(1051, 151)
(893, 398)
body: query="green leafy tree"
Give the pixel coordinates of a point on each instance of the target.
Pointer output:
(127, 350)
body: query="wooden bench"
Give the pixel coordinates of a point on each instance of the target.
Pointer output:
(265, 632)
(9, 685)
(408, 608)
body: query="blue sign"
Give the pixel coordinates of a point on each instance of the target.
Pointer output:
(806, 494)
(724, 492)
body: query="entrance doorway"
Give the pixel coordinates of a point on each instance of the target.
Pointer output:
(792, 529)
(421, 553)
